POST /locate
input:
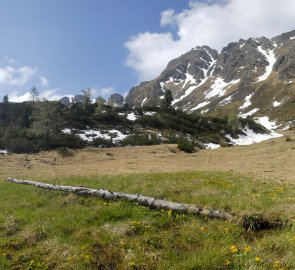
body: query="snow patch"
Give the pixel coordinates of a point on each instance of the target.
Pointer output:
(226, 101)
(144, 100)
(264, 121)
(245, 115)
(251, 137)
(292, 38)
(118, 135)
(271, 59)
(276, 104)
(131, 116)
(149, 113)
(3, 152)
(211, 145)
(203, 104)
(204, 111)
(219, 88)
(247, 102)
(89, 135)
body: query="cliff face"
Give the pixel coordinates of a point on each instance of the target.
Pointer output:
(250, 77)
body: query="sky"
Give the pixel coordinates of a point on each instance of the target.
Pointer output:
(64, 46)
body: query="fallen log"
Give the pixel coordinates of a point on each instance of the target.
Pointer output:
(140, 199)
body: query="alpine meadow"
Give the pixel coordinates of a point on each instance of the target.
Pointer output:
(178, 157)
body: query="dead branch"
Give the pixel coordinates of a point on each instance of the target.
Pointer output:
(140, 199)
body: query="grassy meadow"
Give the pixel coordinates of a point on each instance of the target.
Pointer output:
(50, 230)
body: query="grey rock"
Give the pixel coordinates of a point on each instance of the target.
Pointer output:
(100, 100)
(115, 100)
(79, 98)
(204, 80)
(65, 101)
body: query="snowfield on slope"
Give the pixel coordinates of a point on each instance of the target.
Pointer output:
(271, 59)
(219, 88)
(89, 135)
(251, 137)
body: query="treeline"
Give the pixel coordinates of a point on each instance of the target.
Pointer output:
(29, 127)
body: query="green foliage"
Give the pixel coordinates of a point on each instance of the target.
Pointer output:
(167, 100)
(5, 99)
(186, 146)
(34, 94)
(41, 229)
(33, 126)
(103, 143)
(65, 152)
(146, 139)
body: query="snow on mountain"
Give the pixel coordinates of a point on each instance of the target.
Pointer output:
(219, 88)
(248, 78)
(270, 57)
(131, 116)
(247, 102)
(251, 137)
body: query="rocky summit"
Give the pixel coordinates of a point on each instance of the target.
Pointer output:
(253, 77)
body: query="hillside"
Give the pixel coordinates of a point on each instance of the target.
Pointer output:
(33, 126)
(249, 77)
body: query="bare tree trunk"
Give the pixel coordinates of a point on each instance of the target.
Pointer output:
(140, 199)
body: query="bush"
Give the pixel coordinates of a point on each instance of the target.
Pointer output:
(186, 146)
(65, 152)
(103, 143)
(148, 139)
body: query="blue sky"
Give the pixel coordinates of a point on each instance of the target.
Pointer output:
(75, 44)
(63, 46)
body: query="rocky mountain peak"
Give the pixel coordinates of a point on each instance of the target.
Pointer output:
(115, 100)
(259, 70)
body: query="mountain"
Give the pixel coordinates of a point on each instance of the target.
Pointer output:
(250, 77)
(116, 100)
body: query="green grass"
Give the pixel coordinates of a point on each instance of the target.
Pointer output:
(42, 229)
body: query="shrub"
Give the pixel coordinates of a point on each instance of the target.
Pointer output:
(103, 143)
(148, 139)
(289, 139)
(65, 152)
(186, 146)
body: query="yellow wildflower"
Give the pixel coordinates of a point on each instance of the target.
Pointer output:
(169, 212)
(257, 259)
(247, 248)
(233, 249)
(227, 262)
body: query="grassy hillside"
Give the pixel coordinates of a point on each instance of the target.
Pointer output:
(50, 230)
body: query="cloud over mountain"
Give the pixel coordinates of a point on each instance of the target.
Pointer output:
(213, 23)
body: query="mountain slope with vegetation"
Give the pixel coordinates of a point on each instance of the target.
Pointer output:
(35, 126)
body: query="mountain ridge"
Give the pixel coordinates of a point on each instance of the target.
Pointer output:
(260, 70)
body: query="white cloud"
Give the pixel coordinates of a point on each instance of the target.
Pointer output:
(167, 17)
(17, 97)
(44, 81)
(16, 76)
(51, 94)
(207, 22)
(102, 92)
(48, 94)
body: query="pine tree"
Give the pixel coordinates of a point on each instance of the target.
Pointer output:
(167, 101)
(34, 93)
(5, 99)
